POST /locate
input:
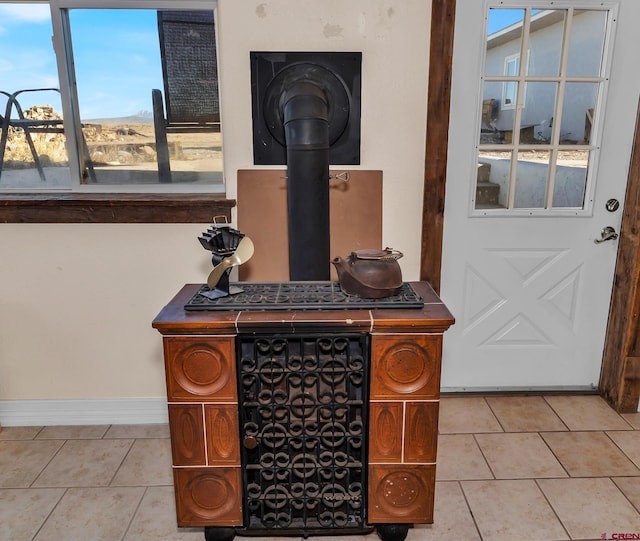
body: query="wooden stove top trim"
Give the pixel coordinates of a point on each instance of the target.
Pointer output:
(433, 317)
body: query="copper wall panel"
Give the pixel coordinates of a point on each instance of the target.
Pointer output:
(405, 366)
(208, 496)
(200, 368)
(223, 446)
(187, 435)
(420, 431)
(355, 209)
(401, 494)
(385, 432)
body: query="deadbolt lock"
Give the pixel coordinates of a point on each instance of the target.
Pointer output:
(612, 205)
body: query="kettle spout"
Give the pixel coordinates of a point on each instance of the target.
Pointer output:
(341, 265)
(346, 277)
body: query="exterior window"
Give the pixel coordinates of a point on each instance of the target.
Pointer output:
(510, 88)
(28, 63)
(131, 103)
(538, 128)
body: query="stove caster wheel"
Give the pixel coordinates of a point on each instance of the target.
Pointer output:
(393, 532)
(214, 533)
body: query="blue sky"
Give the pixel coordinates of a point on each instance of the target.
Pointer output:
(501, 18)
(117, 60)
(116, 56)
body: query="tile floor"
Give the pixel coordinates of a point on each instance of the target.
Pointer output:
(536, 468)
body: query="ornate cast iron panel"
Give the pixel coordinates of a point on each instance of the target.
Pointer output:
(303, 407)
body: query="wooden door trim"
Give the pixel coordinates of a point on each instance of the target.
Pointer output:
(436, 144)
(620, 376)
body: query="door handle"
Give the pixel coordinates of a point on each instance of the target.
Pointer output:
(607, 233)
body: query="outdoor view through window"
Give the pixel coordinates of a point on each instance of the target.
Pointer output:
(543, 81)
(135, 105)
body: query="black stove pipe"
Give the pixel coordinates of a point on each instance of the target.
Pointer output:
(306, 124)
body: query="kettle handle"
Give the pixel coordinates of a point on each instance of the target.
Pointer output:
(388, 254)
(392, 254)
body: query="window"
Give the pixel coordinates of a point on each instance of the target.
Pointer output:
(510, 88)
(538, 131)
(132, 96)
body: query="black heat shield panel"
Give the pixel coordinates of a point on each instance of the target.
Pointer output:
(299, 296)
(268, 67)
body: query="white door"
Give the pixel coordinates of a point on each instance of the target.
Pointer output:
(543, 109)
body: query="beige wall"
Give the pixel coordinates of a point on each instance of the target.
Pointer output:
(77, 301)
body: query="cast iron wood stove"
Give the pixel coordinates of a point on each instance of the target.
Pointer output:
(298, 420)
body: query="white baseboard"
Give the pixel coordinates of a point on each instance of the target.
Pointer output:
(112, 411)
(577, 389)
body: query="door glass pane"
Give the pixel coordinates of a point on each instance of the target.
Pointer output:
(504, 29)
(545, 42)
(492, 187)
(571, 178)
(577, 113)
(122, 58)
(586, 43)
(495, 121)
(537, 113)
(501, 118)
(27, 63)
(532, 170)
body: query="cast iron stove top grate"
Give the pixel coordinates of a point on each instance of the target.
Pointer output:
(299, 296)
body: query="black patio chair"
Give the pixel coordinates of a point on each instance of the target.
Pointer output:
(190, 76)
(30, 126)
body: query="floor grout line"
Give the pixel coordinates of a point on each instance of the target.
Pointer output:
(64, 492)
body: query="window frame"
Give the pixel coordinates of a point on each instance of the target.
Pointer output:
(85, 203)
(66, 73)
(593, 147)
(511, 84)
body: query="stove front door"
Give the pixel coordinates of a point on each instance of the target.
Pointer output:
(303, 428)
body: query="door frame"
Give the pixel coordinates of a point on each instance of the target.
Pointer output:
(620, 373)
